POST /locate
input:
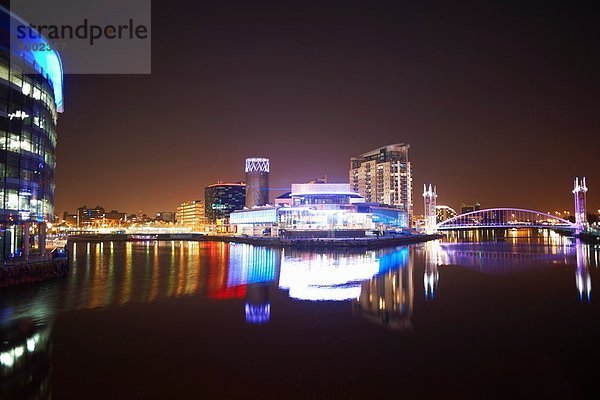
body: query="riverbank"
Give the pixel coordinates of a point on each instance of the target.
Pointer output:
(305, 243)
(21, 273)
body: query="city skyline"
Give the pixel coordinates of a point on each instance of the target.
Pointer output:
(498, 102)
(266, 199)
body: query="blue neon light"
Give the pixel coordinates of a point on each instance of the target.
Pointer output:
(47, 63)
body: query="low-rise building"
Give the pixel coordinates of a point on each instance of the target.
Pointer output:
(190, 214)
(319, 210)
(165, 216)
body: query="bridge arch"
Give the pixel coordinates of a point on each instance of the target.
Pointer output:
(505, 217)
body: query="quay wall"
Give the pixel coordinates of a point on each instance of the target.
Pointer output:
(21, 273)
(303, 242)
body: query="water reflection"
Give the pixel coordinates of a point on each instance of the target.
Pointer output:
(111, 274)
(379, 285)
(25, 360)
(435, 256)
(582, 276)
(387, 298)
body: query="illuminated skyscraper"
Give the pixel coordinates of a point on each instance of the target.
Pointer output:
(257, 182)
(384, 176)
(31, 84)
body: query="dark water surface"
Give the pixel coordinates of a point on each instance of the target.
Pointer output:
(175, 320)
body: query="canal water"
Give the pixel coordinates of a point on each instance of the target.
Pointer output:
(509, 318)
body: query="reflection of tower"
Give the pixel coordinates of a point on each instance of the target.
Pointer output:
(258, 307)
(434, 257)
(255, 269)
(257, 182)
(580, 190)
(582, 276)
(429, 198)
(387, 298)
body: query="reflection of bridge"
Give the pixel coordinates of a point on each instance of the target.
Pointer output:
(505, 218)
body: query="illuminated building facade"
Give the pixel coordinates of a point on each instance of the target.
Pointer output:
(30, 99)
(221, 199)
(190, 214)
(319, 210)
(69, 219)
(257, 182)
(88, 217)
(384, 176)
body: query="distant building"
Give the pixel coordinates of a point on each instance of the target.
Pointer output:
(221, 199)
(191, 215)
(466, 208)
(69, 219)
(166, 216)
(444, 213)
(89, 216)
(257, 182)
(384, 176)
(115, 217)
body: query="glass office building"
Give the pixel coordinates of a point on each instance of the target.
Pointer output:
(221, 199)
(30, 99)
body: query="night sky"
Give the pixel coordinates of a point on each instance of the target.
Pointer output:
(500, 101)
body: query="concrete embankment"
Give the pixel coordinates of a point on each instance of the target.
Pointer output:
(33, 272)
(308, 243)
(316, 243)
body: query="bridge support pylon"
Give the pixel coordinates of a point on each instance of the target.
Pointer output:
(429, 198)
(580, 192)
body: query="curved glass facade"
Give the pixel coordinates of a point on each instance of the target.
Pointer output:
(28, 118)
(221, 199)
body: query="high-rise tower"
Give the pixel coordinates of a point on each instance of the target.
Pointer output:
(430, 202)
(580, 190)
(257, 182)
(384, 176)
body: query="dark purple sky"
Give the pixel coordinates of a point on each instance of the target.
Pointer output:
(499, 100)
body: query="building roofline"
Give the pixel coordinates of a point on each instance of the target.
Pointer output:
(45, 62)
(226, 184)
(378, 150)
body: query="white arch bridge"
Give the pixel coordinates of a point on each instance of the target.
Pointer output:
(505, 218)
